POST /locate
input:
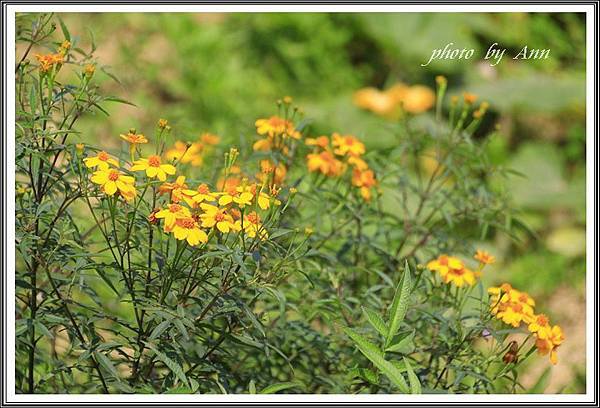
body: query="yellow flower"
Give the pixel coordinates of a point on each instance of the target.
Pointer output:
(358, 163)
(347, 145)
(209, 139)
(113, 180)
(176, 190)
(469, 98)
(418, 99)
(101, 160)
(203, 194)
(153, 167)
(133, 138)
(172, 213)
(276, 126)
(236, 195)
(452, 270)
(381, 103)
(217, 217)
(540, 325)
(268, 168)
(253, 227)
(484, 257)
(510, 305)
(188, 229)
(549, 344)
(185, 153)
(89, 70)
(162, 123)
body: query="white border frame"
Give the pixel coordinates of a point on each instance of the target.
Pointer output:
(588, 397)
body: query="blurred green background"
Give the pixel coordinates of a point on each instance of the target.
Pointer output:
(219, 72)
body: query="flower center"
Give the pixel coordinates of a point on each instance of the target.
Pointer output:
(187, 223)
(253, 218)
(219, 217)
(103, 156)
(174, 208)
(517, 308)
(154, 161)
(542, 320)
(113, 175)
(203, 189)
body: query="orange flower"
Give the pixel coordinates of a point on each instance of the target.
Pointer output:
(49, 60)
(321, 141)
(549, 344)
(365, 180)
(209, 139)
(134, 138)
(484, 257)
(347, 145)
(326, 163)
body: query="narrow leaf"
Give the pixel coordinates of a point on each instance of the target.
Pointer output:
(274, 388)
(376, 321)
(173, 366)
(399, 304)
(415, 384)
(376, 356)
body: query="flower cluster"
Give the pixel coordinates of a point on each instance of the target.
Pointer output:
(48, 61)
(275, 131)
(333, 157)
(453, 270)
(190, 214)
(514, 307)
(390, 103)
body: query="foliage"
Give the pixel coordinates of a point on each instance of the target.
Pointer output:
(294, 264)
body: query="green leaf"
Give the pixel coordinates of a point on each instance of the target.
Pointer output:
(399, 304)
(173, 366)
(415, 384)
(404, 345)
(274, 388)
(376, 357)
(107, 364)
(376, 321)
(64, 29)
(159, 329)
(542, 382)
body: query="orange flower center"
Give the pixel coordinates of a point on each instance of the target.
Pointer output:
(253, 218)
(523, 298)
(187, 223)
(517, 308)
(203, 189)
(103, 156)
(113, 175)
(219, 217)
(174, 208)
(542, 320)
(154, 161)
